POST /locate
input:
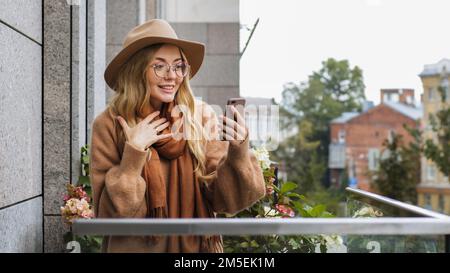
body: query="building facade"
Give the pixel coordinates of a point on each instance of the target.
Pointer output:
(434, 189)
(357, 139)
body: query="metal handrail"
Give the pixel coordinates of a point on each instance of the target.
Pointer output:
(398, 204)
(261, 226)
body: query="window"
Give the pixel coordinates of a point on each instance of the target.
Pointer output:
(441, 203)
(427, 201)
(341, 136)
(431, 94)
(390, 135)
(373, 157)
(445, 86)
(431, 172)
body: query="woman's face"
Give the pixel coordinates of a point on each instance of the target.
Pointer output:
(163, 89)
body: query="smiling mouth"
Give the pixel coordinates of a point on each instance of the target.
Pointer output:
(167, 88)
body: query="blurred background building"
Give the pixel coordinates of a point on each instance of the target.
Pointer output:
(434, 189)
(53, 54)
(357, 138)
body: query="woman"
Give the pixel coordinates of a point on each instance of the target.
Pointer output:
(155, 150)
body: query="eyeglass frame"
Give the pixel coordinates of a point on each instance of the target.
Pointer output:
(171, 67)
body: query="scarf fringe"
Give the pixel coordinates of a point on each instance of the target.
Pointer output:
(159, 212)
(211, 244)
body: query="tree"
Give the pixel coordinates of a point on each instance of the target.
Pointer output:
(399, 170)
(300, 156)
(334, 89)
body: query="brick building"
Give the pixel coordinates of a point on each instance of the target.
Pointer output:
(357, 138)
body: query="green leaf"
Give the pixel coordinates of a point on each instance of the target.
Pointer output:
(85, 159)
(317, 210)
(294, 194)
(244, 244)
(326, 214)
(288, 186)
(84, 180)
(253, 243)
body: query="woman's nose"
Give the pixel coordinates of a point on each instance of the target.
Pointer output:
(171, 74)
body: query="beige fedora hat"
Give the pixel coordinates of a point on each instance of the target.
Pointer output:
(154, 31)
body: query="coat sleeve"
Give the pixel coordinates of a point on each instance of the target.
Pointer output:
(238, 181)
(118, 188)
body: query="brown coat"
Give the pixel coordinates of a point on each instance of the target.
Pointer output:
(119, 189)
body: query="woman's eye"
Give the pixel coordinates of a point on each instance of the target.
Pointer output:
(159, 66)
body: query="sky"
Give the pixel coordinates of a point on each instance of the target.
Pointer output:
(390, 40)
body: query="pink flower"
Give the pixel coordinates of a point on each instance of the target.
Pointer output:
(66, 197)
(80, 193)
(269, 190)
(283, 209)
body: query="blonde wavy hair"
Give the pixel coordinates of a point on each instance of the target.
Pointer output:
(132, 96)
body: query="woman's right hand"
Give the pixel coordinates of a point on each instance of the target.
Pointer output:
(145, 133)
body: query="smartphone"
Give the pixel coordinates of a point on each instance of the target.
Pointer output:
(239, 104)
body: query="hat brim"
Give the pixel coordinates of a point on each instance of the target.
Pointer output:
(194, 52)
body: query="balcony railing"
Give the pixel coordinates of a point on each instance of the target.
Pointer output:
(400, 228)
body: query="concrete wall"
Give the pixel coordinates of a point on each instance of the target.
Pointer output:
(121, 17)
(215, 23)
(20, 126)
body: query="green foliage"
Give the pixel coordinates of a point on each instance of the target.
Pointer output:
(301, 158)
(399, 173)
(334, 89)
(280, 202)
(88, 243)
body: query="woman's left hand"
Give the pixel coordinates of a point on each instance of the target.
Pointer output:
(233, 131)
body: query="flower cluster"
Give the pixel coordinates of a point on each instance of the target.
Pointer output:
(285, 211)
(76, 205)
(263, 157)
(281, 201)
(367, 212)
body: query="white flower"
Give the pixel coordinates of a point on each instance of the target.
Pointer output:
(269, 212)
(263, 157)
(367, 212)
(333, 244)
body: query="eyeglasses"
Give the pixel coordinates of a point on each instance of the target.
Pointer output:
(162, 69)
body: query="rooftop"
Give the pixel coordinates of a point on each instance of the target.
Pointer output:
(412, 112)
(409, 111)
(346, 116)
(436, 69)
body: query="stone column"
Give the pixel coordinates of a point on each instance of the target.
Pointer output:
(74, 61)
(57, 118)
(21, 126)
(79, 127)
(96, 38)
